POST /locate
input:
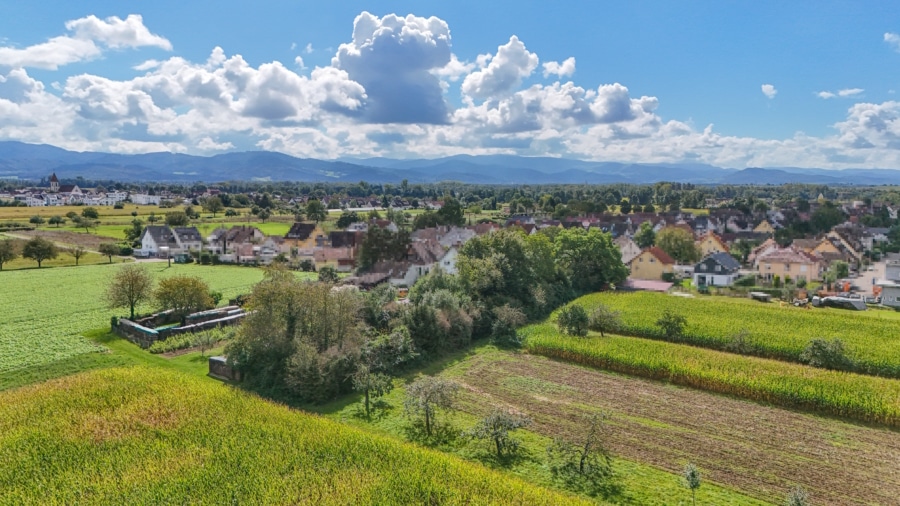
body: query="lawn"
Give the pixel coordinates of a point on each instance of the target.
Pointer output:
(870, 337)
(47, 310)
(748, 453)
(143, 435)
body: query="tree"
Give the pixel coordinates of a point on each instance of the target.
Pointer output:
(797, 497)
(679, 244)
(603, 319)
(177, 219)
(573, 320)
(506, 320)
(264, 214)
(36, 220)
(827, 355)
(451, 213)
(672, 324)
(76, 252)
(213, 205)
(134, 232)
(153, 218)
(624, 206)
(826, 217)
(691, 480)
(328, 274)
(646, 236)
(347, 218)
(183, 295)
(586, 460)
(56, 220)
(40, 249)
(381, 244)
(90, 213)
(496, 428)
(8, 251)
(425, 396)
(839, 269)
(590, 259)
(371, 384)
(109, 249)
(86, 223)
(131, 286)
(315, 211)
(204, 340)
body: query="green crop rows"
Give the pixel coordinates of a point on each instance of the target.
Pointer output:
(146, 436)
(844, 394)
(872, 339)
(44, 312)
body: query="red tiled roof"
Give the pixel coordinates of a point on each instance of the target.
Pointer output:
(660, 255)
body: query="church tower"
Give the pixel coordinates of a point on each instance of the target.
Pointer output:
(54, 183)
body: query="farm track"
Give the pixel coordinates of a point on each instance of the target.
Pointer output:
(757, 449)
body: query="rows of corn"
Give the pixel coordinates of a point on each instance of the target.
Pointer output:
(871, 338)
(147, 436)
(849, 395)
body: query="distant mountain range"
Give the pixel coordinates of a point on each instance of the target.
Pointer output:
(33, 162)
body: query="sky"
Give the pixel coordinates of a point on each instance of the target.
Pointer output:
(732, 84)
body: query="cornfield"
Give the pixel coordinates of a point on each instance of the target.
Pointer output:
(871, 338)
(843, 394)
(148, 436)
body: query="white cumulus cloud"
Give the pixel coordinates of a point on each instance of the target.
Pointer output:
(505, 71)
(844, 93)
(566, 68)
(85, 42)
(769, 91)
(893, 40)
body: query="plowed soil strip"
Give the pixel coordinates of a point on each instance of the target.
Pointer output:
(763, 451)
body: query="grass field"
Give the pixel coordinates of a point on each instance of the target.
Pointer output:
(856, 396)
(46, 311)
(870, 337)
(748, 453)
(144, 435)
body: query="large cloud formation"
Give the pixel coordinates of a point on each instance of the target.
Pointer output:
(392, 58)
(394, 89)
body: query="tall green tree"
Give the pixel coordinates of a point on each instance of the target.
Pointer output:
(646, 236)
(183, 295)
(109, 250)
(316, 211)
(213, 205)
(9, 251)
(590, 259)
(426, 396)
(40, 249)
(131, 286)
(679, 244)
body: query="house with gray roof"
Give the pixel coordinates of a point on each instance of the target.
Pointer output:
(716, 269)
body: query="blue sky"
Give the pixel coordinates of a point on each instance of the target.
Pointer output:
(733, 84)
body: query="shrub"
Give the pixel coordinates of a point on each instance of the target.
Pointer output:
(126, 251)
(827, 355)
(746, 281)
(672, 324)
(603, 319)
(573, 320)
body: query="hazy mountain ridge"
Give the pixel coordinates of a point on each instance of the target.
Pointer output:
(33, 162)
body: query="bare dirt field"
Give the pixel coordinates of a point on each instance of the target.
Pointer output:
(761, 450)
(67, 237)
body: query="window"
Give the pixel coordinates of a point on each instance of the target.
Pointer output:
(718, 268)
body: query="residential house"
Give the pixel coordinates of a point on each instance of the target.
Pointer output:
(143, 199)
(789, 262)
(306, 236)
(235, 244)
(188, 238)
(627, 247)
(710, 243)
(652, 263)
(716, 269)
(157, 240)
(764, 227)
